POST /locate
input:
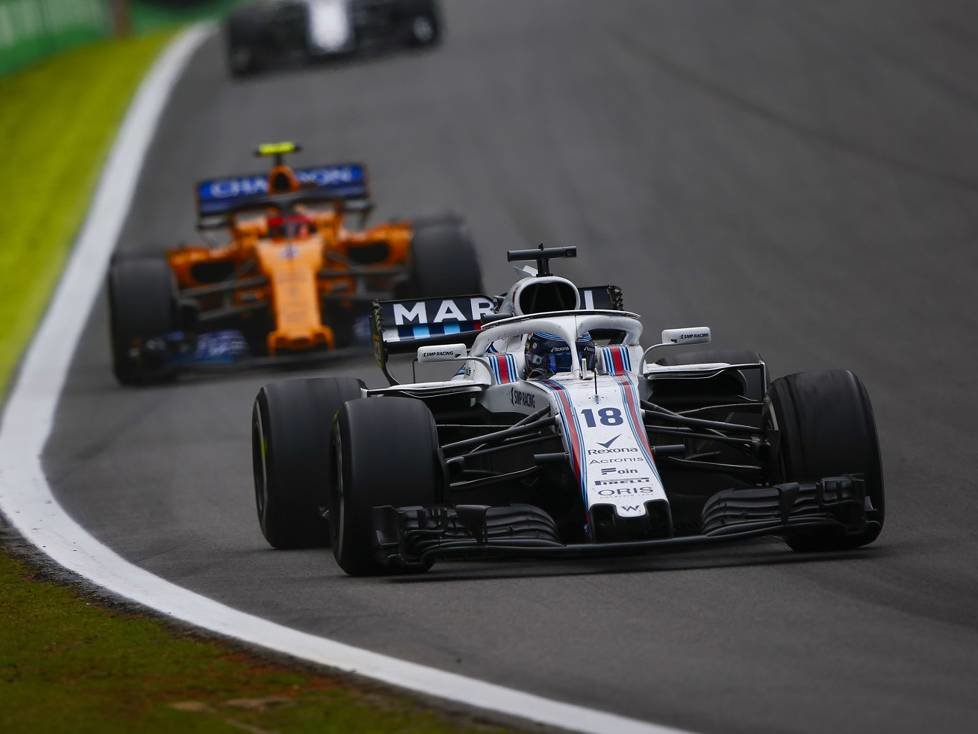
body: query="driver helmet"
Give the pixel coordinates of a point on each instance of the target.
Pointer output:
(290, 227)
(547, 354)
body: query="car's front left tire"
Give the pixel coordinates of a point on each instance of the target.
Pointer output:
(827, 429)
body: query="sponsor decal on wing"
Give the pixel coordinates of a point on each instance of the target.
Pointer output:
(344, 180)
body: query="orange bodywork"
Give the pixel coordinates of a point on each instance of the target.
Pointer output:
(262, 270)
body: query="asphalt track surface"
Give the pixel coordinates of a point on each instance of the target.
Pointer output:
(802, 177)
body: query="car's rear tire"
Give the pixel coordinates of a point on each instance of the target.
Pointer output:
(443, 262)
(827, 429)
(386, 453)
(421, 22)
(142, 306)
(292, 459)
(241, 60)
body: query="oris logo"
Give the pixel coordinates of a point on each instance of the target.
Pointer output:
(625, 491)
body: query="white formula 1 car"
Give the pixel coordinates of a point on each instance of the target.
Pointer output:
(556, 433)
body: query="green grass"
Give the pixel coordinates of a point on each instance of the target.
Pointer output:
(57, 121)
(147, 16)
(68, 663)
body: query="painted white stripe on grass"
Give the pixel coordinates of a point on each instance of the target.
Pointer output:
(26, 498)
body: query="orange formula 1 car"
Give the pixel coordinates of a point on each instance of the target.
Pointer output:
(293, 280)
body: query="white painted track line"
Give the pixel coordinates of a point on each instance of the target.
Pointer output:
(27, 501)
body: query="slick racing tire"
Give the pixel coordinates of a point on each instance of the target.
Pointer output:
(241, 60)
(242, 31)
(386, 453)
(443, 262)
(142, 307)
(827, 429)
(420, 21)
(291, 457)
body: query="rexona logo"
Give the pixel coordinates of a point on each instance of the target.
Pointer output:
(625, 491)
(622, 450)
(522, 399)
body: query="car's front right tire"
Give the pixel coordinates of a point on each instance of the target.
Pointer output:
(386, 452)
(291, 458)
(143, 306)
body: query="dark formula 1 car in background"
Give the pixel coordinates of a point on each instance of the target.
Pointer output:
(557, 434)
(293, 279)
(266, 32)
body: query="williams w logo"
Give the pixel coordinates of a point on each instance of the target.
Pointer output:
(607, 444)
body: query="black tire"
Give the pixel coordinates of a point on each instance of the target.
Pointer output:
(443, 262)
(386, 453)
(421, 22)
(291, 457)
(827, 429)
(242, 33)
(142, 306)
(241, 60)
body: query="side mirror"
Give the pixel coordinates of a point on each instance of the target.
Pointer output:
(687, 335)
(442, 352)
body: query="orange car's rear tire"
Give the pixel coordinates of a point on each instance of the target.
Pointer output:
(143, 307)
(443, 261)
(291, 457)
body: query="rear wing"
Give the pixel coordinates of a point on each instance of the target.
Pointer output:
(401, 326)
(341, 181)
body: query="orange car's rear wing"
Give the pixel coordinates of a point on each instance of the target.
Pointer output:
(346, 182)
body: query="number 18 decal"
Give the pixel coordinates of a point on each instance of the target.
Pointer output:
(606, 416)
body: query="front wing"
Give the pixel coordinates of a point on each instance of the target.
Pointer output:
(413, 537)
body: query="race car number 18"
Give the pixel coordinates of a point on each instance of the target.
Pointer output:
(606, 416)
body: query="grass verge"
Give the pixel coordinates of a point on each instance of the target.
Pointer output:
(71, 665)
(57, 121)
(67, 662)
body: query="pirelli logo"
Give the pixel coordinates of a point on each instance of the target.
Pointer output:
(628, 480)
